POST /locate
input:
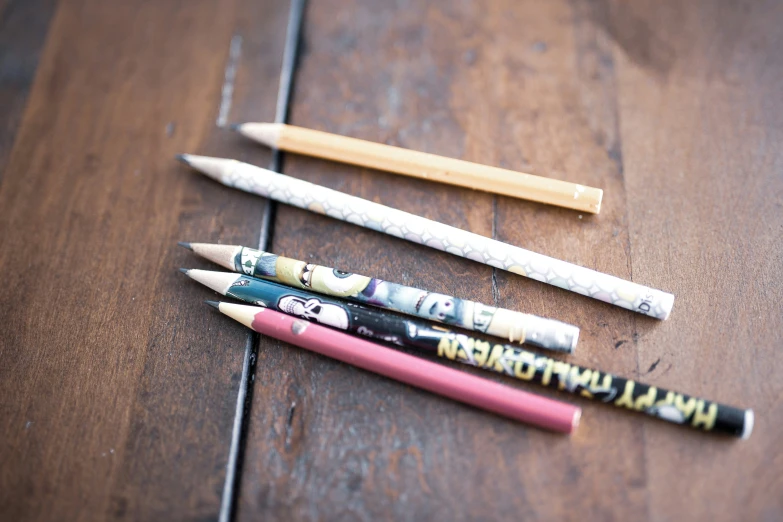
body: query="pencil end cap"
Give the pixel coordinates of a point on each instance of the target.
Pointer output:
(184, 244)
(747, 426)
(213, 304)
(599, 200)
(576, 419)
(666, 305)
(183, 158)
(574, 340)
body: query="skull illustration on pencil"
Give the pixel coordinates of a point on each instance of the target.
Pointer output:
(314, 310)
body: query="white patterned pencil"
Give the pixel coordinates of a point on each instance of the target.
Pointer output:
(417, 229)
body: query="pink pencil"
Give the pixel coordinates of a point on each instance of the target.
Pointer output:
(463, 387)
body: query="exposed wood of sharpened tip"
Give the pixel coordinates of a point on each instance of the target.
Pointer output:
(220, 282)
(424, 165)
(222, 255)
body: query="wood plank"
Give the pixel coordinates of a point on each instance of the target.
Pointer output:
(462, 82)
(702, 128)
(324, 439)
(23, 28)
(547, 99)
(118, 384)
(578, 91)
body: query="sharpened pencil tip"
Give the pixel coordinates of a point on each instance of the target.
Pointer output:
(235, 126)
(183, 158)
(184, 244)
(184, 270)
(213, 304)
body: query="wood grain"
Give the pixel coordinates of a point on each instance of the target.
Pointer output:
(639, 100)
(118, 385)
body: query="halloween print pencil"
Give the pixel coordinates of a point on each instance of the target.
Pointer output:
(500, 322)
(337, 313)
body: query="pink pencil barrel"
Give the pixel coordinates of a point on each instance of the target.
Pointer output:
(481, 393)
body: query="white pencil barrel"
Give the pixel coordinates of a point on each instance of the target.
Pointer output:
(417, 229)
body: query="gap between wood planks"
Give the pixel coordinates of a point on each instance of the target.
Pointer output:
(245, 393)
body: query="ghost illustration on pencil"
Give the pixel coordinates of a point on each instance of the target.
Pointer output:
(314, 310)
(437, 307)
(668, 412)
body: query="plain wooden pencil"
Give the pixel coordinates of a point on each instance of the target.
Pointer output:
(423, 165)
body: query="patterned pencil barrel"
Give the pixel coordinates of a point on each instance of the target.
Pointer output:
(354, 318)
(292, 191)
(503, 323)
(596, 385)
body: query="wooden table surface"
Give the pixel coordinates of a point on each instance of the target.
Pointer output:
(118, 387)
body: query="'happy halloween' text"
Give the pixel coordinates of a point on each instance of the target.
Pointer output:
(592, 384)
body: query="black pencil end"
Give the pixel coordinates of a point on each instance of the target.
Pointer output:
(213, 304)
(184, 270)
(184, 244)
(235, 126)
(183, 158)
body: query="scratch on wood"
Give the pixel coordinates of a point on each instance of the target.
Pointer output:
(654, 365)
(227, 94)
(288, 423)
(495, 291)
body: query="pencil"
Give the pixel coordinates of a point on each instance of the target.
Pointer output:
(500, 322)
(422, 165)
(600, 386)
(338, 205)
(354, 318)
(481, 393)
